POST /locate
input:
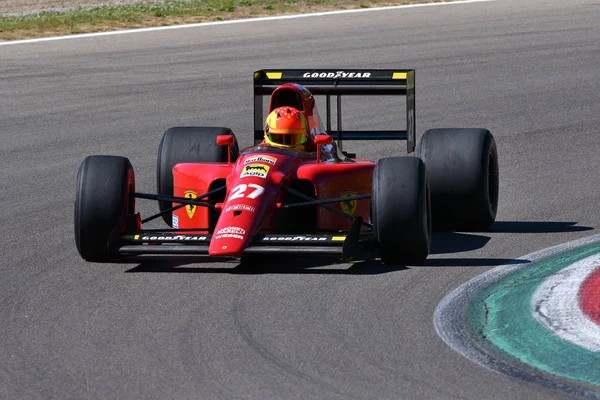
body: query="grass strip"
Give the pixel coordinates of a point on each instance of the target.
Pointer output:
(149, 14)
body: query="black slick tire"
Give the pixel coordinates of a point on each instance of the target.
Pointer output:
(103, 201)
(400, 210)
(462, 165)
(188, 144)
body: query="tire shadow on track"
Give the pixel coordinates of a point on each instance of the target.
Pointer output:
(309, 265)
(455, 242)
(537, 227)
(304, 265)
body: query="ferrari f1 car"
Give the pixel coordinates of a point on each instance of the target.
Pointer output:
(220, 201)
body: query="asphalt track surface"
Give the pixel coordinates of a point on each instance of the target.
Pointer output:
(291, 328)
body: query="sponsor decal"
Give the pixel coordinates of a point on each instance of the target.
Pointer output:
(229, 235)
(295, 239)
(175, 221)
(233, 232)
(259, 170)
(191, 209)
(232, 229)
(240, 207)
(348, 206)
(261, 158)
(337, 74)
(240, 191)
(186, 238)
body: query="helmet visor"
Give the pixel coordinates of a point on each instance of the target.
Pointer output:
(289, 139)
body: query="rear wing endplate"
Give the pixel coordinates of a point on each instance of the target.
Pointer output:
(338, 83)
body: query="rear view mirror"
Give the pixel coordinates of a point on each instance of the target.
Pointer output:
(323, 139)
(225, 140)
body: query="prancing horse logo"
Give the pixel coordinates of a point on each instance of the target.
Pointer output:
(190, 208)
(348, 206)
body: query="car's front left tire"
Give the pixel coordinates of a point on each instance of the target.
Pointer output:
(193, 144)
(400, 210)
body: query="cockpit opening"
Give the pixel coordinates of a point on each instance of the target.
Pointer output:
(286, 97)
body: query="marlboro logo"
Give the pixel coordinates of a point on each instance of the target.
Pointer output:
(261, 159)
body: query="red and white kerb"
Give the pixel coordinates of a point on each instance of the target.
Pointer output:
(568, 303)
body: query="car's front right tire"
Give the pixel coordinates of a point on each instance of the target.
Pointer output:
(103, 201)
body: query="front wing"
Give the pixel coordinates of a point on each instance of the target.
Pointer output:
(175, 243)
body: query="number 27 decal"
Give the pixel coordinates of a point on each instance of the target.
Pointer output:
(240, 191)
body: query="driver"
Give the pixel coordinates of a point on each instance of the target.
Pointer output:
(286, 128)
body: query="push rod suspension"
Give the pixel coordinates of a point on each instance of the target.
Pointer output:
(184, 201)
(327, 206)
(325, 201)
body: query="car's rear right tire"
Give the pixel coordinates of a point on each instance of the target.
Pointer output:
(400, 210)
(193, 144)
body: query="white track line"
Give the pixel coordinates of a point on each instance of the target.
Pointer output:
(555, 305)
(237, 21)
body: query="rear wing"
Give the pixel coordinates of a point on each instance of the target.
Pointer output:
(338, 83)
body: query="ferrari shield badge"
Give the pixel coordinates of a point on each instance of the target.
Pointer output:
(191, 209)
(348, 206)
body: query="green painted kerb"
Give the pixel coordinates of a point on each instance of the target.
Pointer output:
(500, 318)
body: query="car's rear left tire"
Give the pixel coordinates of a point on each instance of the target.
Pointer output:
(400, 210)
(193, 144)
(103, 201)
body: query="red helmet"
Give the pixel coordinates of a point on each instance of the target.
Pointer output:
(286, 127)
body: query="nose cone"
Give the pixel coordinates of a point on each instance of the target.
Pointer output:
(253, 189)
(242, 214)
(232, 236)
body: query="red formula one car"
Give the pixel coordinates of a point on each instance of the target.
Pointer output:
(317, 199)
